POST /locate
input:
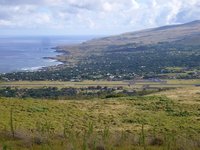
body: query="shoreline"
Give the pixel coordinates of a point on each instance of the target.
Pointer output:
(55, 59)
(60, 62)
(64, 55)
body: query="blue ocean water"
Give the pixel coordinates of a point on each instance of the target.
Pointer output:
(27, 53)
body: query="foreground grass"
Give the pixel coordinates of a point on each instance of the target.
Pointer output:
(151, 122)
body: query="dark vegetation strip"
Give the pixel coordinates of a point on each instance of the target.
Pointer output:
(74, 93)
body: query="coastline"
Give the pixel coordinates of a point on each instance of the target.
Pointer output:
(63, 54)
(60, 53)
(68, 55)
(59, 64)
(62, 63)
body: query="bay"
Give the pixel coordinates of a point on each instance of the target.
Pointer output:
(27, 53)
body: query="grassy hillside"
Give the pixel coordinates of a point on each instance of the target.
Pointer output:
(186, 34)
(150, 122)
(163, 34)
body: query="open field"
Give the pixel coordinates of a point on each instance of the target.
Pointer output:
(85, 83)
(189, 81)
(150, 122)
(126, 84)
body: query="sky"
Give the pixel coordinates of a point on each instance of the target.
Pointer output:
(92, 17)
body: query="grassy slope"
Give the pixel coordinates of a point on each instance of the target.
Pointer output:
(111, 123)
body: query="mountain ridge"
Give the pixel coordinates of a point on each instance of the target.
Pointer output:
(155, 35)
(185, 34)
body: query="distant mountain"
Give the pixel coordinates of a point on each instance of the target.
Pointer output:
(185, 34)
(152, 36)
(148, 53)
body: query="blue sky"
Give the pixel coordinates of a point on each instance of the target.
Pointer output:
(90, 17)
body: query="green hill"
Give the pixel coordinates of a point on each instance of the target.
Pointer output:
(150, 122)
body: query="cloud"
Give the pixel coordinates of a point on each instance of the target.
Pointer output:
(20, 2)
(95, 16)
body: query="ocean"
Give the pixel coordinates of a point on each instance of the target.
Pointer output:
(27, 53)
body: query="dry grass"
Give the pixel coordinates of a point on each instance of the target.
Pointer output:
(188, 95)
(103, 123)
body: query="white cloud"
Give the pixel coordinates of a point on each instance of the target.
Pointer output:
(96, 16)
(107, 7)
(5, 23)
